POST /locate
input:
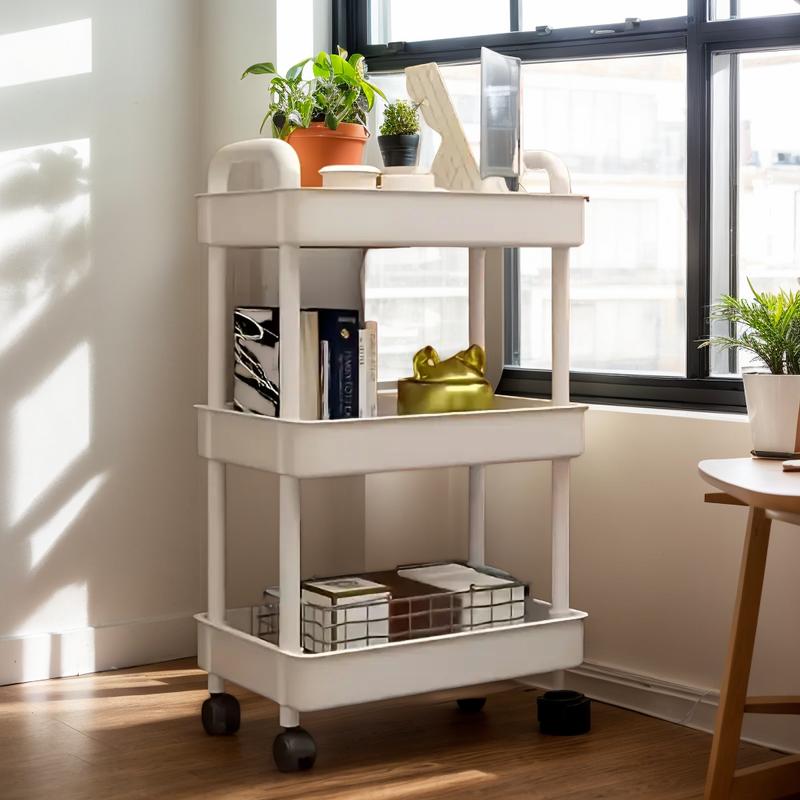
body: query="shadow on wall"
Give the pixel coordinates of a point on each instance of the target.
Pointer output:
(46, 360)
(90, 390)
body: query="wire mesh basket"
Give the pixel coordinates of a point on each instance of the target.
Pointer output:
(387, 619)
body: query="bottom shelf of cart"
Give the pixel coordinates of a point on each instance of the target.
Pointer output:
(309, 682)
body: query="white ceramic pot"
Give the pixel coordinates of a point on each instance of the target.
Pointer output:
(773, 405)
(349, 176)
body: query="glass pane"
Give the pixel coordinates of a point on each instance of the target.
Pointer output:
(576, 13)
(419, 295)
(416, 20)
(740, 9)
(756, 187)
(620, 125)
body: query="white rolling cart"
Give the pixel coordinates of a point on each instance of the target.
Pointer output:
(551, 635)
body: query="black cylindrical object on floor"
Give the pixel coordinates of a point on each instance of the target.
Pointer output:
(564, 713)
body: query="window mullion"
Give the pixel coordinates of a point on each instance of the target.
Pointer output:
(514, 14)
(697, 196)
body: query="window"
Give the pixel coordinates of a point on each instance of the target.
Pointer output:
(675, 116)
(573, 13)
(756, 200)
(620, 126)
(738, 9)
(410, 20)
(420, 294)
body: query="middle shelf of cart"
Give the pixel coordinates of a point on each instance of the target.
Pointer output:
(517, 429)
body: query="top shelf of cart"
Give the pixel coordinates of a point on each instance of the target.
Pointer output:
(382, 218)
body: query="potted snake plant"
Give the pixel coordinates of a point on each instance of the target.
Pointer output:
(324, 117)
(768, 326)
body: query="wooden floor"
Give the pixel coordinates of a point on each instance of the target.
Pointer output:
(136, 734)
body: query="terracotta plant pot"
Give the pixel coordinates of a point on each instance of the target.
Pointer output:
(318, 146)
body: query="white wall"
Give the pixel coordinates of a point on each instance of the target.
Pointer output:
(99, 326)
(102, 325)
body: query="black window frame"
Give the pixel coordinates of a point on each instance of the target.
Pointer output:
(697, 36)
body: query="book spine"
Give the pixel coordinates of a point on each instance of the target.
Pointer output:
(363, 410)
(340, 330)
(325, 379)
(309, 365)
(372, 369)
(368, 370)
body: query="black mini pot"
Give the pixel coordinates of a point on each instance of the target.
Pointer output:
(564, 713)
(399, 150)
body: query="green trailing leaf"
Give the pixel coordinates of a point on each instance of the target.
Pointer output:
(768, 326)
(369, 93)
(296, 71)
(378, 90)
(264, 121)
(266, 68)
(331, 120)
(356, 61)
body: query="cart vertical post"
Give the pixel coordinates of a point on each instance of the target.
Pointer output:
(217, 343)
(560, 468)
(289, 497)
(477, 473)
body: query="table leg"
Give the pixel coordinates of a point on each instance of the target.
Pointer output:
(722, 762)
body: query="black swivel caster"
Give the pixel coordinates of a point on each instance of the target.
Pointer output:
(294, 750)
(221, 715)
(471, 705)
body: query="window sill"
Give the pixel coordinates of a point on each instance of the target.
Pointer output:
(633, 391)
(737, 417)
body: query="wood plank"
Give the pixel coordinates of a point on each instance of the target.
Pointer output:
(773, 704)
(770, 781)
(722, 763)
(136, 735)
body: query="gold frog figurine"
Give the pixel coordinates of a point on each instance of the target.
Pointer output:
(456, 384)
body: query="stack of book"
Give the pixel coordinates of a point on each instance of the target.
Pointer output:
(338, 363)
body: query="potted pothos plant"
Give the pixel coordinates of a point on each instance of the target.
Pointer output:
(399, 137)
(324, 117)
(768, 326)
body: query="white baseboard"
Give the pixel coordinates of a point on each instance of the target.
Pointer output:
(76, 652)
(684, 705)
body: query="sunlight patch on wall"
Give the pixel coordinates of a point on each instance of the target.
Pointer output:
(50, 429)
(65, 610)
(41, 54)
(44, 538)
(44, 239)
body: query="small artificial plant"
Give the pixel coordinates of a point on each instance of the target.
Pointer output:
(400, 119)
(767, 326)
(338, 92)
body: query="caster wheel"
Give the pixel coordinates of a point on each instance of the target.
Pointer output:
(221, 715)
(471, 705)
(294, 750)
